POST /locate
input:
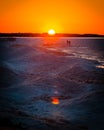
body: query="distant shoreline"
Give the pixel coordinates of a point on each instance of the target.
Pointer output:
(46, 35)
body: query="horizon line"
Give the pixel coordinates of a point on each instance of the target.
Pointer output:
(47, 33)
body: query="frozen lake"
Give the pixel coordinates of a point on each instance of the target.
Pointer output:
(46, 84)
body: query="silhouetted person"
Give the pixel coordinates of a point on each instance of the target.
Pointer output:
(68, 43)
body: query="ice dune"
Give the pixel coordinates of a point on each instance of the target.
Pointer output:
(34, 74)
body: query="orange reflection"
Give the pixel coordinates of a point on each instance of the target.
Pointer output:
(51, 41)
(55, 101)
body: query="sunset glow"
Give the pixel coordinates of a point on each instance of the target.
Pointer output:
(39, 16)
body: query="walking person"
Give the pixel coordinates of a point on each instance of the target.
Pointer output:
(68, 43)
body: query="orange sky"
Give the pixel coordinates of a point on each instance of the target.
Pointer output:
(65, 16)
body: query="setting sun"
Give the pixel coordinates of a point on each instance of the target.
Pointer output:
(51, 32)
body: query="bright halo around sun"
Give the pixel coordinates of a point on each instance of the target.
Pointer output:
(51, 32)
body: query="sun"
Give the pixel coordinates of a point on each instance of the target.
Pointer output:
(51, 32)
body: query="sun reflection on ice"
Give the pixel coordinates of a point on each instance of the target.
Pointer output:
(55, 100)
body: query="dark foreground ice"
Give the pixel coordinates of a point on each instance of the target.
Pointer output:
(46, 87)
